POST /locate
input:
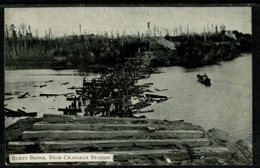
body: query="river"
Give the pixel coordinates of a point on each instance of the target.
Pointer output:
(226, 105)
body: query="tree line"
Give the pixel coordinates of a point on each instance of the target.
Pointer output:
(79, 51)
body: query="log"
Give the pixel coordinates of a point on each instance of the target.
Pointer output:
(176, 155)
(111, 126)
(48, 94)
(57, 118)
(11, 113)
(155, 96)
(160, 90)
(66, 94)
(65, 83)
(19, 113)
(245, 148)
(53, 146)
(42, 86)
(148, 84)
(94, 126)
(48, 81)
(80, 135)
(9, 98)
(24, 113)
(222, 152)
(23, 96)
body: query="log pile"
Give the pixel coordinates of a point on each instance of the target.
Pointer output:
(131, 141)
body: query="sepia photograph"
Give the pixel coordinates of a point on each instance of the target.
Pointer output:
(128, 85)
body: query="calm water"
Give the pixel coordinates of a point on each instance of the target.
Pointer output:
(226, 105)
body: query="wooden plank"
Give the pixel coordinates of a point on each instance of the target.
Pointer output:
(72, 145)
(9, 98)
(23, 96)
(57, 118)
(211, 151)
(65, 83)
(19, 146)
(155, 96)
(18, 113)
(69, 110)
(42, 86)
(79, 134)
(143, 154)
(48, 94)
(47, 126)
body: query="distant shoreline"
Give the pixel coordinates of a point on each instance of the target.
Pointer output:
(10, 65)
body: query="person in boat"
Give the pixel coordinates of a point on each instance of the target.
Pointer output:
(205, 75)
(202, 77)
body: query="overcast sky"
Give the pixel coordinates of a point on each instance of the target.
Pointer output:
(66, 20)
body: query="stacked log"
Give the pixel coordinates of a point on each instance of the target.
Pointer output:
(131, 141)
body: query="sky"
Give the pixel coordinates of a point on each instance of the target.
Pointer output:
(66, 20)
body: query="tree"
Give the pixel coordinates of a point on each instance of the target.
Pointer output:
(12, 29)
(6, 31)
(23, 27)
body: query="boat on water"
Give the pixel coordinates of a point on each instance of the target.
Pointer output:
(204, 79)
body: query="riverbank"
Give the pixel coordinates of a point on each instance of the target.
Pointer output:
(138, 141)
(77, 51)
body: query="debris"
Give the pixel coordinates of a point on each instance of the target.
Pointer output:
(65, 83)
(48, 94)
(48, 81)
(42, 86)
(9, 98)
(75, 87)
(23, 96)
(159, 90)
(155, 96)
(19, 113)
